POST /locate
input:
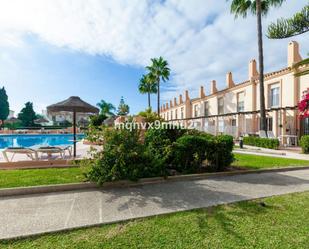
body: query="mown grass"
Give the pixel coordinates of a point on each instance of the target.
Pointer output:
(264, 162)
(35, 177)
(281, 223)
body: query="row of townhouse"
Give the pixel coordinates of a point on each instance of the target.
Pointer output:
(235, 109)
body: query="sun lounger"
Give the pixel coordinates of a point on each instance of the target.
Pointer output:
(271, 134)
(50, 150)
(32, 154)
(66, 148)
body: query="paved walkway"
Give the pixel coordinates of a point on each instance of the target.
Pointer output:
(33, 214)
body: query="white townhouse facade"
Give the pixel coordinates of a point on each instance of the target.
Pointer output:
(235, 109)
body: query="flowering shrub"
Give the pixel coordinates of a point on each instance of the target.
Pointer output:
(303, 105)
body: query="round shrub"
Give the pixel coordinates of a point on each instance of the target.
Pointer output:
(188, 153)
(304, 143)
(159, 141)
(219, 152)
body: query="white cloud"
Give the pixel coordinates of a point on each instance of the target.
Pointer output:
(200, 38)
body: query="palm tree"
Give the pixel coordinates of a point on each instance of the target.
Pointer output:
(258, 8)
(159, 71)
(106, 108)
(147, 85)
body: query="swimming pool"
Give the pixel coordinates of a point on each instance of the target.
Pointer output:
(29, 140)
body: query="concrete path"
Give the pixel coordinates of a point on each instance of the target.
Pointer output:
(25, 215)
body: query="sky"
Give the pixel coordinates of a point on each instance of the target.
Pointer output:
(96, 49)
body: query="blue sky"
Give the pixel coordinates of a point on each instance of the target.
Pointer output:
(44, 74)
(53, 49)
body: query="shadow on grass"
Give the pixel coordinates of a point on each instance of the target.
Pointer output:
(226, 216)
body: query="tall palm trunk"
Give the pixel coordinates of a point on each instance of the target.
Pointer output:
(149, 105)
(263, 125)
(158, 107)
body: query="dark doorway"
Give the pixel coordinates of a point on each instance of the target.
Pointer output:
(304, 125)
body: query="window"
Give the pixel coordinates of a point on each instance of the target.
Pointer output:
(176, 114)
(233, 121)
(206, 108)
(274, 96)
(171, 115)
(181, 113)
(196, 111)
(221, 126)
(240, 102)
(269, 122)
(220, 105)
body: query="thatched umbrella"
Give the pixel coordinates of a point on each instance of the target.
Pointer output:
(73, 104)
(12, 120)
(41, 121)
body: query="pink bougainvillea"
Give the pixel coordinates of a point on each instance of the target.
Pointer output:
(303, 105)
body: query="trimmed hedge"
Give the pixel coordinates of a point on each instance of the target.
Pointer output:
(304, 143)
(189, 152)
(270, 143)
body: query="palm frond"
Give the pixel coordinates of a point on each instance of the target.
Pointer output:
(296, 25)
(241, 8)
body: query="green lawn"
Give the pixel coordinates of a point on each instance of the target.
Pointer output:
(266, 162)
(34, 177)
(283, 223)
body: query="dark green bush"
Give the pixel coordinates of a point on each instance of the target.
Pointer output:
(188, 153)
(219, 152)
(97, 120)
(123, 157)
(159, 141)
(270, 143)
(304, 143)
(127, 156)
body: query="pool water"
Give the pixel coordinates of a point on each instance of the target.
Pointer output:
(29, 140)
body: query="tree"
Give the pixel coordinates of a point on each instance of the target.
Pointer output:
(147, 85)
(123, 108)
(4, 105)
(107, 109)
(285, 28)
(27, 115)
(240, 8)
(150, 116)
(97, 120)
(159, 71)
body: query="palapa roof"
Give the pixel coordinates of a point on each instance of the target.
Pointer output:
(41, 120)
(12, 120)
(73, 104)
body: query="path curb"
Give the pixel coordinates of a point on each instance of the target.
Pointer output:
(7, 192)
